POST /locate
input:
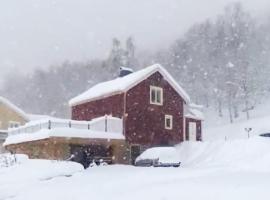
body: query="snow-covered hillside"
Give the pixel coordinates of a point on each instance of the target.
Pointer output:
(216, 128)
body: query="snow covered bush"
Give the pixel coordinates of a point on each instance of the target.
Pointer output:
(7, 160)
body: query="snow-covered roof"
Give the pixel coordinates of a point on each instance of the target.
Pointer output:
(194, 114)
(126, 68)
(14, 108)
(125, 83)
(62, 132)
(34, 117)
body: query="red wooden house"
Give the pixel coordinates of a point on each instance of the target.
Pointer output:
(155, 109)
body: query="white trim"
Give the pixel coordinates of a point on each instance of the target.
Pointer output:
(184, 129)
(170, 117)
(156, 89)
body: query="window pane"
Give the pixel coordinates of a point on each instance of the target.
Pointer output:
(168, 122)
(152, 95)
(158, 92)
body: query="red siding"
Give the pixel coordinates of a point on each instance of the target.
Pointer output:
(113, 105)
(145, 123)
(198, 126)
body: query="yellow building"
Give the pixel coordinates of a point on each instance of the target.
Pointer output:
(10, 117)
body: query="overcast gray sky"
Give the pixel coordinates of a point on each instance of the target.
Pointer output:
(39, 33)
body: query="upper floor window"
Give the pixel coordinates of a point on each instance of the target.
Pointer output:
(13, 124)
(156, 95)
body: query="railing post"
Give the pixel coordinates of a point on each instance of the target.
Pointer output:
(106, 123)
(49, 124)
(88, 126)
(69, 124)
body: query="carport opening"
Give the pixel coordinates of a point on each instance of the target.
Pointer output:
(87, 154)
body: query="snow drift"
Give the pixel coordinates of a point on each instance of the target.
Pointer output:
(253, 153)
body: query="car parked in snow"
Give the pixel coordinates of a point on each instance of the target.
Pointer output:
(265, 135)
(159, 157)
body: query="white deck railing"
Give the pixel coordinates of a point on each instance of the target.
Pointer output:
(104, 124)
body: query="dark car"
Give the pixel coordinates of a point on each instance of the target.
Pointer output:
(160, 164)
(265, 135)
(145, 162)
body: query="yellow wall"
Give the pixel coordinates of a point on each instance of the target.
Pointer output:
(7, 115)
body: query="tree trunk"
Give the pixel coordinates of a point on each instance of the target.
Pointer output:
(235, 110)
(247, 109)
(220, 108)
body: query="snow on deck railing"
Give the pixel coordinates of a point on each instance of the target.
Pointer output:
(104, 124)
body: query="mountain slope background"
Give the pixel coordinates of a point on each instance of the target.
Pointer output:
(222, 63)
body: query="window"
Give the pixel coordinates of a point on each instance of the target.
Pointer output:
(168, 122)
(156, 95)
(13, 124)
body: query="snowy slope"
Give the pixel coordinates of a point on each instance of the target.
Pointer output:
(216, 128)
(244, 154)
(237, 130)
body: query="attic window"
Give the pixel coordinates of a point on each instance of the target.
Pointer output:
(168, 122)
(156, 95)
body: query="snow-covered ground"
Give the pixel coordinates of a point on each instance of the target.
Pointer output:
(216, 169)
(238, 169)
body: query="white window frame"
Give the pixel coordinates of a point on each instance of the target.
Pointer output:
(170, 117)
(13, 124)
(156, 90)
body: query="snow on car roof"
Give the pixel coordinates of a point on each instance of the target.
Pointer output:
(164, 154)
(123, 84)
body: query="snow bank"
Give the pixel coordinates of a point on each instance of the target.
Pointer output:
(253, 153)
(244, 154)
(27, 173)
(26, 168)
